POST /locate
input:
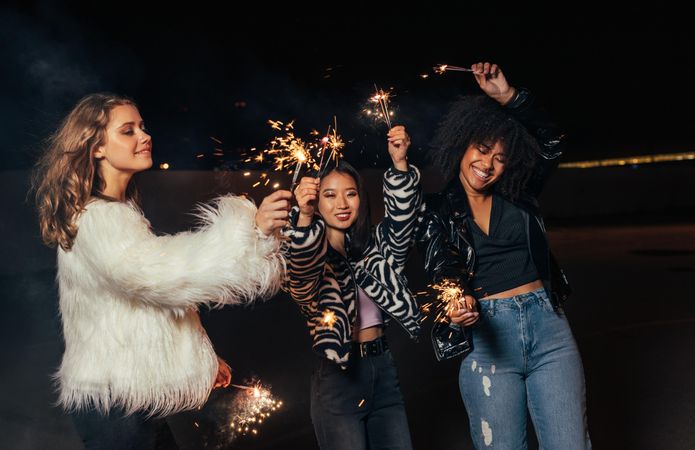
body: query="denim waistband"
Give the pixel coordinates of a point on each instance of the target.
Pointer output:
(540, 292)
(491, 305)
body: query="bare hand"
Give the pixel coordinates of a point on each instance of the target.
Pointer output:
(273, 212)
(493, 82)
(398, 143)
(467, 314)
(224, 374)
(306, 194)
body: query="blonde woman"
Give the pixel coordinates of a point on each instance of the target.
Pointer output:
(135, 350)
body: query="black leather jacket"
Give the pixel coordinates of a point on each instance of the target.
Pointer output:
(444, 239)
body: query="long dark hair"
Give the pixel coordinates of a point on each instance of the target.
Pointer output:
(477, 119)
(358, 236)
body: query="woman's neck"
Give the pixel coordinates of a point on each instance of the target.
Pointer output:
(115, 183)
(336, 239)
(478, 198)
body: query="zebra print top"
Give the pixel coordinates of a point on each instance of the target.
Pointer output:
(323, 281)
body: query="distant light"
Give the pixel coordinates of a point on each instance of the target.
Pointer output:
(424, 76)
(164, 166)
(631, 160)
(246, 174)
(276, 185)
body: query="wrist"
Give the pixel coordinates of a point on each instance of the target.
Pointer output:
(401, 165)
(304, 219)
(507, 97)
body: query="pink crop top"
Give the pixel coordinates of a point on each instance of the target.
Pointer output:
(368, 314)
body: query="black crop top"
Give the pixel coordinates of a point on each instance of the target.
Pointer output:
(503, 260)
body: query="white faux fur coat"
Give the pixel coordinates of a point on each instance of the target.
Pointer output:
(129, 299)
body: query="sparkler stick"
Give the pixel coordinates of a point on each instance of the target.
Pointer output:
(382, 99)
(335, 142)
(440, 69)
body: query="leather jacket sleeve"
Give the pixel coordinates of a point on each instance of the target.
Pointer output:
(442, 257)
(540, 124)
(443, 260)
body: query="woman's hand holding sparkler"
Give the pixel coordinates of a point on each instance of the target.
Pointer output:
(306, 194)
(398, 143)
(466, 315)
(493, 82)
(224, 374)
(273, 213)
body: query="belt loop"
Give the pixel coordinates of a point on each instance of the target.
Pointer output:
(491, 308)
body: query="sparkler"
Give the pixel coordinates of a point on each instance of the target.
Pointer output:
(328, 318)
(450, 298)
(440, 69)
(379, 109)
(333, 141)
(302, 156)
(285, 151)
(251, 407)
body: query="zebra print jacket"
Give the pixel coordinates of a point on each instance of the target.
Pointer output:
(322, 281)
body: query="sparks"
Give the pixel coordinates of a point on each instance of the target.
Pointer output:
(378, 106)
(250, 406)
(450, 298)
(333, 141)
(328, 318)
(286, 151)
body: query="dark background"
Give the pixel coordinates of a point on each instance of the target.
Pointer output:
(622, 85)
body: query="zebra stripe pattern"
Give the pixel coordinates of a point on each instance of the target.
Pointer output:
(321, 279)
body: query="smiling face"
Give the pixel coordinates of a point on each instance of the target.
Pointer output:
(481, 167)
(339, 200)
(127, 147)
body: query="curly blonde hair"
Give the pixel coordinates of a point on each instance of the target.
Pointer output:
(66, 176)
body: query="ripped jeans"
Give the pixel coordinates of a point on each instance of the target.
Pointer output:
(524, 356)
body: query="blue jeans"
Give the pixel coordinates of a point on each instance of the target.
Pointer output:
(524, 356)
(360, 407)
(119, 432)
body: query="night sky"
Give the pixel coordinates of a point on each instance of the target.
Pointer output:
(621, 85)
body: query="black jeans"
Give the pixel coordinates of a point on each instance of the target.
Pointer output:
(360, 407)
(118, 432)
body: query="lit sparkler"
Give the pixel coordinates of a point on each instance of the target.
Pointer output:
(328, 319)
(333, 141)
(450, 297)
(379, 106)
(440, 69)
(285, 151)
(251, 407)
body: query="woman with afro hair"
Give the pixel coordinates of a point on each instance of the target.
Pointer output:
(484, 232)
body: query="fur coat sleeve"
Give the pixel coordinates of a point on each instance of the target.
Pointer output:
(225, 261)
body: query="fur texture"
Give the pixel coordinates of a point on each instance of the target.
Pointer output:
(129, 299)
